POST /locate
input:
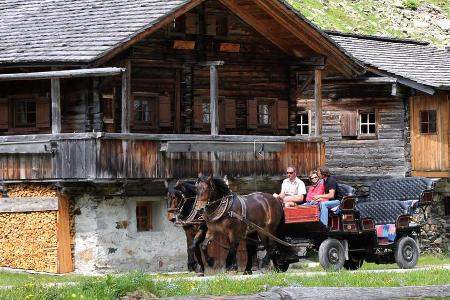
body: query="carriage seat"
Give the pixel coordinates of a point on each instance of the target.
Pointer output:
(390, 198)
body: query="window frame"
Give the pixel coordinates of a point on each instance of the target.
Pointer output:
(435, 121)
(153, 99)
(367, 136)
(12, 100)
(301, 125)
(271, 102)
(147, 205)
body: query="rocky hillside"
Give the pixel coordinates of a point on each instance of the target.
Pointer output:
(425, 20)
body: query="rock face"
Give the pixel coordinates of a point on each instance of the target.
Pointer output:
(420, 20)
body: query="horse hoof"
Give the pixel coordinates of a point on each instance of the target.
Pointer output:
(210, 262)
(249, 272)
(232, 268)
(201, 274)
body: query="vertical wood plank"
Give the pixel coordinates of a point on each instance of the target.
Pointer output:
(126, 80)
(318, 102)
(214, 88)
(65, 263)
(56, 105)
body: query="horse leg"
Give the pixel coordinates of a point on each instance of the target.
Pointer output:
(251, 253)
(209, 237)
(231, 262)
(195, 248)
(189, 238)
(269, 245)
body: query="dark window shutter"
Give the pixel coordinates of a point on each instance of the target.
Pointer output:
(252, 114)
(282, 114)
(349, 123)
(198, 113)
(191, 23)
(230, 113)
(211, 25)
(4, 113)
(165, 113)
(42, 112)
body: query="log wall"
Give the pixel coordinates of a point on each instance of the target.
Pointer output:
(358, 160)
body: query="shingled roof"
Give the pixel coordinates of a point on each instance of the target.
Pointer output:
(75, 31)
(411, 60)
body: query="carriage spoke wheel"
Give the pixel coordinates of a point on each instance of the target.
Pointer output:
(331, 254)
(406, 253)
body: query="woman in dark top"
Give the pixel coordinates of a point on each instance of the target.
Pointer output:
(328, 199)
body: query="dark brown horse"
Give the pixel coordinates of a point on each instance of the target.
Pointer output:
(180, 203)
(223, 213)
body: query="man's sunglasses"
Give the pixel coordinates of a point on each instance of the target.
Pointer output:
(290, 172)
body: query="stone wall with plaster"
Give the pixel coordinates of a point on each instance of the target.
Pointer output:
(106, 238)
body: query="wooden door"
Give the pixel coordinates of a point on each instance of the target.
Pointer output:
(429, 135)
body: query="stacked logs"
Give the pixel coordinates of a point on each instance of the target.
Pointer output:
(31, 190)
(28, 240)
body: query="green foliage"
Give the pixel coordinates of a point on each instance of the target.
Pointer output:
(368, 17)
(411, 4)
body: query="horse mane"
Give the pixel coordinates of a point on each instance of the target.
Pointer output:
(187, 188)
(219, 184)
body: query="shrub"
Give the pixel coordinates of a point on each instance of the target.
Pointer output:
(411, 4)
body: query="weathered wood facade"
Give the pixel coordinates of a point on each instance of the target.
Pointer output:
(236, 88)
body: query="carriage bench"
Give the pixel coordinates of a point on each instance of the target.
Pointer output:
(390, 198)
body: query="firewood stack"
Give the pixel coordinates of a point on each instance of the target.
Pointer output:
(28, 240)
(31, 190)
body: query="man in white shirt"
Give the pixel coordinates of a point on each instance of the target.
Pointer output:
(293, 190)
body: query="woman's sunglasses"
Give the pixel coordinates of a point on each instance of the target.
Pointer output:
(313, 177)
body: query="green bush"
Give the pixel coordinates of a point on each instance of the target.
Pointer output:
(411, 4)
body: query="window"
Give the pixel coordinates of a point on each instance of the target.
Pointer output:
(144, 110)
(367, 124)
(428, 121)
(24, 112)
(186, 24)
(264, 113)
(303, 123)
(144, 216)
(206, 113)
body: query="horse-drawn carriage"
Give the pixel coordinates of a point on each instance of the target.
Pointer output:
(378, 227)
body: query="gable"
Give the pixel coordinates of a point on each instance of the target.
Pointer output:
(85, 31)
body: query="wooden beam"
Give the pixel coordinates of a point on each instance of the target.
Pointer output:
(56, 105)
(214, 146)
(318, 102)
(25, 148)
(236, 8)
(126, 87)
(27, 204)
(97, 113)
(177, 96)
(214, 94)
(64, 263)
(313, 37)
(97, 72)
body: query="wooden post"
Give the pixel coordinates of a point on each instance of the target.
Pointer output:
(65, 263)
(318, 102)
(56, 105)
(97, 122)
(177, 100)
(126, 75)
(214, 106)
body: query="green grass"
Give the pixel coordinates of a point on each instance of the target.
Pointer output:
(34, 286)
(111, 287)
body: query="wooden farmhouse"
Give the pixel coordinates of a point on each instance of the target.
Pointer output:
(103, 104)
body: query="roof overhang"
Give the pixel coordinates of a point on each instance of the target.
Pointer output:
(405, 81)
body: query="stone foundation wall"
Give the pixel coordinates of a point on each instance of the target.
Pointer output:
(106, 238)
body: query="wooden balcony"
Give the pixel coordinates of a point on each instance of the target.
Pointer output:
(109, 156)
